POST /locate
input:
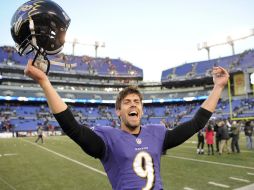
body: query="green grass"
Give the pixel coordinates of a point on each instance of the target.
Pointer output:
(34, 167)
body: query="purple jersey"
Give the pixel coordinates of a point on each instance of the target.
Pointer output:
(133, 162)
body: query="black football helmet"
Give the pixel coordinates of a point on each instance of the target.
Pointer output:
(39, 26)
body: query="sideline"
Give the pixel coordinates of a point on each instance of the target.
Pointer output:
(195, 142)
(67, 158)
(248, 187)
(211, 162)
(9, 185)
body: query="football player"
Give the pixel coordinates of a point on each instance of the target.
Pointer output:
(130, 155)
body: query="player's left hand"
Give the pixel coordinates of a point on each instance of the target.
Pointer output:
(220, 76)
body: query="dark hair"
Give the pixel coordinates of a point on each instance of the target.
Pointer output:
(126, 91)
(209, 127)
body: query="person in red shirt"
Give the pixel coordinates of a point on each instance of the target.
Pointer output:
(209, 136)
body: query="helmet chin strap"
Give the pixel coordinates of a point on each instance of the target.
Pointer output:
(40, 55)
(40, 60)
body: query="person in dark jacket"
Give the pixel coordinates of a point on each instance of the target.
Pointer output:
(224, 137)
(217, 137)
(248, 131)
(235, 137)
(201, 142)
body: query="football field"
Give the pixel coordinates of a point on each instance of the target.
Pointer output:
(60, 164)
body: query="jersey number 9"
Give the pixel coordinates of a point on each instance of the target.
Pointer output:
(143, 167)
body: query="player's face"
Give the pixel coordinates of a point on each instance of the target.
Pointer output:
(130, 112)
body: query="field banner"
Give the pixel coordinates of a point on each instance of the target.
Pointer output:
(239, 84)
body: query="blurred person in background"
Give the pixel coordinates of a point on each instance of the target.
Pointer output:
(248, 131)
(224, 137)
(209, 136)
(40, 134)
(201, 142)
(235, 128)
(217, 137)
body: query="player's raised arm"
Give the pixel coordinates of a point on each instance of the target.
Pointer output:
(55, 102)
(189, 128)
(91, 143)
(220, 80)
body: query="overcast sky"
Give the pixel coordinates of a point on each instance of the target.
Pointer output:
(152, 34)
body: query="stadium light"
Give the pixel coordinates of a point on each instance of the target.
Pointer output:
(206, 47)
(229, 40)
(96, 45)
(231, 43)
(75, 41)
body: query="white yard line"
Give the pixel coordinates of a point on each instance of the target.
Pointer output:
(218, 184)
(211, 162)
(250, 173)
(67, 158)
(239, 179)
(187, 188)
(9, 185)
(10, 154)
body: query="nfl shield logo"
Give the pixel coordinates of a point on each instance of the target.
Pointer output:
(138, 140)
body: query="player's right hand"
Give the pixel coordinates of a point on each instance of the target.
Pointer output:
(35, 73)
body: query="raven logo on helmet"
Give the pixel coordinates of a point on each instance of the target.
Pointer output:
(26, 7)
(40, 27)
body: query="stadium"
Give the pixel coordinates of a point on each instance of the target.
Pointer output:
(90, 85)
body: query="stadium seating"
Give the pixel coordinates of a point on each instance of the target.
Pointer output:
(173, 105)
(79, 64)
(232, 63)
(27, 117)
